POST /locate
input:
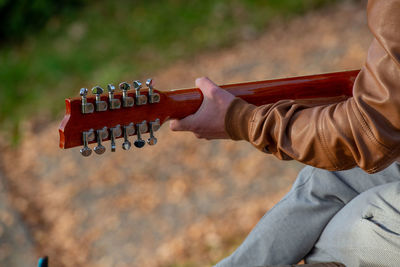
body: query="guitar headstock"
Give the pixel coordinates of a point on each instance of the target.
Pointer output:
(122, 113)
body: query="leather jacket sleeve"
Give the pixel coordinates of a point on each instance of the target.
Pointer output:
(363, 130)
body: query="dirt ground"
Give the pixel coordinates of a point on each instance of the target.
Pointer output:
(184, 202)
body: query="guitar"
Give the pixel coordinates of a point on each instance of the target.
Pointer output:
(100, 117)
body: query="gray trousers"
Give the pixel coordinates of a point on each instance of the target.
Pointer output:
(348, 216)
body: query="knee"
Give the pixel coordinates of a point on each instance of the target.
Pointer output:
(368, 226)
(380, 206)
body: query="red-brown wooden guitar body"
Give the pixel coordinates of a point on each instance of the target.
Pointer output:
(178, 104)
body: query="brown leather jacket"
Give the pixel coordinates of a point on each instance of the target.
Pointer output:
(363, 130)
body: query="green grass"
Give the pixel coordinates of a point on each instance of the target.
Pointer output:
(109, 41)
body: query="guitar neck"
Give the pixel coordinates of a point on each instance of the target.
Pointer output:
(178, 104)
(187, 101)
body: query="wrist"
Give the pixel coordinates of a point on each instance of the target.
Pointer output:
(238, 119)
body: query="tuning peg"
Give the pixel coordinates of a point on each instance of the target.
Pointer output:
(153, 97)
(127, 101)
(153, 126)
(114, 132)
(87, 137)
(128, 130)
(114, 102)
(140, 99)
(100, 105)
(86, 107)
(140, 128)
(101, 135)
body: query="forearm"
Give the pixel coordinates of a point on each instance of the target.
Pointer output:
(363, 130)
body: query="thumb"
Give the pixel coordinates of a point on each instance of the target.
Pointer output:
(185, 124)
(205, 84)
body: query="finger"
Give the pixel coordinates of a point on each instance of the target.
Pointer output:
(205, 83)
(174, 125)
(185, 124)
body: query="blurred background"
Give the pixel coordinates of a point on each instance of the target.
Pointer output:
(184, 202)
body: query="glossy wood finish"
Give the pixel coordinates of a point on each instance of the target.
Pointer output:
(181, 103)
(74, 122)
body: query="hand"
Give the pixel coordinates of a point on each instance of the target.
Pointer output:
(209, 120)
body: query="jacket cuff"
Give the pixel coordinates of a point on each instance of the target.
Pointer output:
(238, 119)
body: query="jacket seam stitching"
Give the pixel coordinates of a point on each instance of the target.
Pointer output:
(323, 142)
(370, 72)
(391, 152)
(252, 122)
(384, 160)
(367, 130)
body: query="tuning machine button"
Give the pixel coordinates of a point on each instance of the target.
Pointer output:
(100, 105)
(114, 133)
(140, 128)
(153, 126)
(101, 135)
(127, 101)
(140, 99)
(113, 102)
(86, 107)
(127, 131)
(153, 97)
(87, 137)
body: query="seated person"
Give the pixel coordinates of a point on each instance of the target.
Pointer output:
(345, 206)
